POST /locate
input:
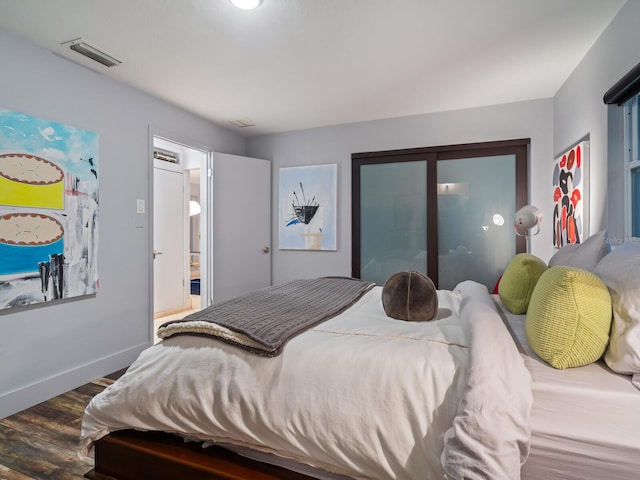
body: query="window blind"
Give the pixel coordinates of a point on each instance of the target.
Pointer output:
(625, 88)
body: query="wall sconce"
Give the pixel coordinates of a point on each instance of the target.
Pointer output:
(526, 219)
(194, 208)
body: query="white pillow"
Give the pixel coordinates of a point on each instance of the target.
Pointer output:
(585, 255)
(620, 271)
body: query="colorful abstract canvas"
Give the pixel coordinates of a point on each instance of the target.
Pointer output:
(48, 210)
(570, 183)
(308, 207)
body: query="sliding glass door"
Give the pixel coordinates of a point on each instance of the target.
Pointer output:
(393, 219)
(443, 211)
(476, 205)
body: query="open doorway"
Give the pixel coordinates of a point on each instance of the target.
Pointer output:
(242, 253)
(195, 236)
(178, 213)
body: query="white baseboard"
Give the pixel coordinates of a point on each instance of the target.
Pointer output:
(30, 395)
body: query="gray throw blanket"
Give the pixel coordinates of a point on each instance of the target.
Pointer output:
(263, 321)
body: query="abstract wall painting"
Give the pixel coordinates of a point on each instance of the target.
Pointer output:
(570, 195)
(308, 207)
(48, 210)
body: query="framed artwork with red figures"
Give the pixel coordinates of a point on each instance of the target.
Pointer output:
(570, 192)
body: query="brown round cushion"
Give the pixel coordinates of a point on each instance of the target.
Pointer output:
(410, 295)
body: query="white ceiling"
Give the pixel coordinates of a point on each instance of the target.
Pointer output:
(297, 64)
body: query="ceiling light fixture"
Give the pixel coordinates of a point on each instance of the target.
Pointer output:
(246, 4)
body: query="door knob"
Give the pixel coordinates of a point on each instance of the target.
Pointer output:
(156, 253)
(265, 250)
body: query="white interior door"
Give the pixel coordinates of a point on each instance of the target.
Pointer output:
(241, 225)
(170, 259)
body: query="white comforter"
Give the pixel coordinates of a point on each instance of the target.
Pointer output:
(360, 395)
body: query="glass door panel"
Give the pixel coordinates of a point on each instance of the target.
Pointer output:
(476, 205)
(393, 208)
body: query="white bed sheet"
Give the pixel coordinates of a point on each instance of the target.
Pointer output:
(283, 406)
(585, 421)
(361, 395)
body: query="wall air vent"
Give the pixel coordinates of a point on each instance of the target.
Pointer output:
(165, 155)
(94, 53)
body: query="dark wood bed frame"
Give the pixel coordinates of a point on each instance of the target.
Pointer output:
(133, 455)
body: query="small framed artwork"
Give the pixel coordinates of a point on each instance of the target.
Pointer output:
(570, 195)
(308, 207)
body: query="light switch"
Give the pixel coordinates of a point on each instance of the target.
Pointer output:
(140, 205)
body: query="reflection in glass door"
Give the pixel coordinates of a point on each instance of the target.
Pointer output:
(476, 205)
(393, 219)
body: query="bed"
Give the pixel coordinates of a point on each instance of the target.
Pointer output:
(364, 396)
(584, 421)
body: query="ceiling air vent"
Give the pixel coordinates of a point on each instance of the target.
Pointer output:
(94, 53)
(242, 122)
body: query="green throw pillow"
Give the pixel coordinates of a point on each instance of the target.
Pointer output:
(518, 281)
(569, 317)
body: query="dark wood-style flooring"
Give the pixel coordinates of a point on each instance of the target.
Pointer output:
(41, 443)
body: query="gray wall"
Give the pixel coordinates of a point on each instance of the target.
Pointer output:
(532, 119)
(46, 350)
(579, 110)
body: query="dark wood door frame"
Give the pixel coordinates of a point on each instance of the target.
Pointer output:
(517, 147)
